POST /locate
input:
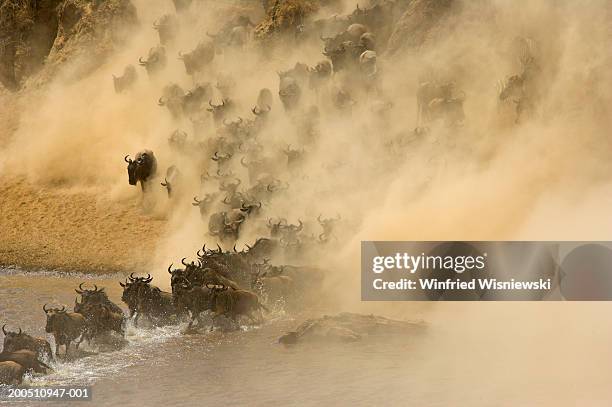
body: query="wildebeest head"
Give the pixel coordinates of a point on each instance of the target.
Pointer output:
(250, 208)
(11, 339)
(276, 227)
(156, 60)
(55, 318)
(220, 111)
(166, 27)
(95, 296)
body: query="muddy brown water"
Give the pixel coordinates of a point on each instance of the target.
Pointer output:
(457, 361)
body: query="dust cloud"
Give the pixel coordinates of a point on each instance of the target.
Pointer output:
(490, 177)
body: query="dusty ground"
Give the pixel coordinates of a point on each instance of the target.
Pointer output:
(37, 230)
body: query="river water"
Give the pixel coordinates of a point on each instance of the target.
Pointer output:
(478, 354)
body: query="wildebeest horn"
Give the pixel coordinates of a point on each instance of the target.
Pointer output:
(165, 183)
(301, 226)
(220, 250)
(141, 61)
(319, 218)
(247, 245)
(243, 163)
(215, 157)
(45, 308)
(3, 330)
(254, 110)
(180, 54)
(148, 279)
(196, 201)
(132, 278)
(225, 201)
(126, 159)
(170, 268)
(160, 101)
(183, 261)
(63, 309)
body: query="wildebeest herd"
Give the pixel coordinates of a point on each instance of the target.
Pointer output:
(242, 285)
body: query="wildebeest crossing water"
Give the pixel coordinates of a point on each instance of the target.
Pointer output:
(247, 366)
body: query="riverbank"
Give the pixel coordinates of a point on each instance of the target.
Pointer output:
(69, 229)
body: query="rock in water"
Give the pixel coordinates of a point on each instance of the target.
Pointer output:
(347, 327)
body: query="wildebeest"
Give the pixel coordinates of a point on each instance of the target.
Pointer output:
(102, 315)
(156, 60)
(125, 81)
(167, 27)
(100, 319)
(367, 64)
(234, 303)
(196, 60)
(328, 227)
(221, 159)
(27, 359)
(293, 155)
(427, 93)
(66, 327)
(20, 340)
(234, 33)
(220, 112)
(97, 296)
(289, 92)
(144, 299)
(204, 204)
(171, 179)
(178, 141)
(11, 373)
(193, 100)
(264, 100)
(191, 298)
(320, 74)
(172, 99)
(142, 169)
(227, 224)
(449, 110)
(269, 282)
